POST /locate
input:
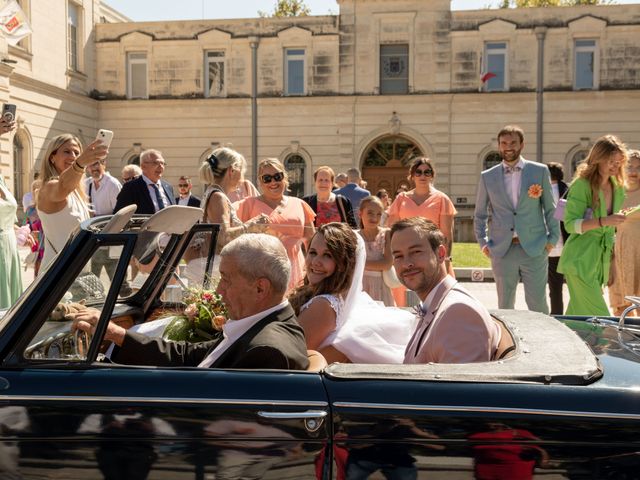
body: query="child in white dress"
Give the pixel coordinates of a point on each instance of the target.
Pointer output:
(376, 240)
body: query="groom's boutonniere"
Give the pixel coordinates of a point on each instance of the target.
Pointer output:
(535, 191)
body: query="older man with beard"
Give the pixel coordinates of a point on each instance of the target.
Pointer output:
(453, 326)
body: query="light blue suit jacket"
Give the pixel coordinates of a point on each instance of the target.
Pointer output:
(532, 219)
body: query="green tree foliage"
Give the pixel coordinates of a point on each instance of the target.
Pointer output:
(287, 8)
(549, 3)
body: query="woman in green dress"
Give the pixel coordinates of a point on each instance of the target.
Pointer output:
(590, 217)
(10, 268)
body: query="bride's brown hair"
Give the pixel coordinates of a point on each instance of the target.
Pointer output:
(341, 242)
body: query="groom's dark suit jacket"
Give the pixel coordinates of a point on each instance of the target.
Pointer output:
(275, 342)
(136, 192)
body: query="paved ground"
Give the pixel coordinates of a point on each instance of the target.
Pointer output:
(484, 291)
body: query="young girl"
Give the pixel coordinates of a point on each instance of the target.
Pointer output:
(376, 240)
(339, 319)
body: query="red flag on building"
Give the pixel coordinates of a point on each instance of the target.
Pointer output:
(487, 76)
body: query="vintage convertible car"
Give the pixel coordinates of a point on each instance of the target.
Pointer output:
(563, 403)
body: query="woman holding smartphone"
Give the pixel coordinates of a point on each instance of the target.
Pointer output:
(61, 202)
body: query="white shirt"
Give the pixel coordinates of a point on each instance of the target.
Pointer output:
(234, 329)
(513, 181)
(184, 200)
(152, 193)
(556, 251)
(103, 197)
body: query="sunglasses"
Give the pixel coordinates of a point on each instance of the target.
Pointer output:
(128, 179)
(278, 177)
(426, 172)
(183, 185)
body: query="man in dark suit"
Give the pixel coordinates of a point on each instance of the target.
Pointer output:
(184, 190)
(555, 278)
(262, 331)
(149, 192)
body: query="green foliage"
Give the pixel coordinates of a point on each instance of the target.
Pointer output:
(468, 255)
(549, 3)
(287, 8)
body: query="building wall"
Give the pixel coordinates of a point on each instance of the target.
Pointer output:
(445, 112)
(51, 98)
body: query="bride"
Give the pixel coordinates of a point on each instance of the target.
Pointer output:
(339, 318)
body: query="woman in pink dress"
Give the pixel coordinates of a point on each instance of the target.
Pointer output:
(290, 219)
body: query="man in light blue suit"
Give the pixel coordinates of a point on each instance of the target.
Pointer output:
(514, 224)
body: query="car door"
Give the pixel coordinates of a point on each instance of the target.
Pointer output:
(63, 415)
(388, 425)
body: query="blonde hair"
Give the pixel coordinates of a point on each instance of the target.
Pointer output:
(273, 163)
(48, 171)
(221, 158)
(601, 152)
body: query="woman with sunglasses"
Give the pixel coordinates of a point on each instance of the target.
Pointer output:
(425, 201)
(290, 219)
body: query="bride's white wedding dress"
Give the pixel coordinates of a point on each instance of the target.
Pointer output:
(367, 331)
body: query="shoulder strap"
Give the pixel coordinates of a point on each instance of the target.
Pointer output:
(206, 202)
(340, 202)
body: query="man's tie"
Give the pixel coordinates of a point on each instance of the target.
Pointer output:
(508, 169)
(161, 204)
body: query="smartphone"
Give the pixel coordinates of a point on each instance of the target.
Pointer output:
(105, 137)
(9, 112)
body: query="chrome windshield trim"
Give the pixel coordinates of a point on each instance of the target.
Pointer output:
(173, 400)
(477, 409)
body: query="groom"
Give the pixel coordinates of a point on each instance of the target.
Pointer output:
(518, 196)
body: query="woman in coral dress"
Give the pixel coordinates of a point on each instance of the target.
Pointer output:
(289, 218)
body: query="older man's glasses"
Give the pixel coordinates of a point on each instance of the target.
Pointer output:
(427, 172)
(156, 163)
(278, 177)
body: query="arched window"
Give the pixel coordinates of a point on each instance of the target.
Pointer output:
(295, 166)
(392, 151)
(577, 159)
(135, 160)
(18, 168)
(491, 160)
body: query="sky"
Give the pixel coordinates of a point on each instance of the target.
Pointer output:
(151, 10)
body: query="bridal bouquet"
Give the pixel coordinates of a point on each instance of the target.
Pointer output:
(202, 319)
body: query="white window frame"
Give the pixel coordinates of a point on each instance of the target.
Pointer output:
(74, 37)
(596, 62)
(207, 60)
(137, 61)
(295, 57)
(496, 51)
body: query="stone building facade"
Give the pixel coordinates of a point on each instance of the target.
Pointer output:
(372, 87)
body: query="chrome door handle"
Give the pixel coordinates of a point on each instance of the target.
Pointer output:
(313, 419)
(293, 415)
